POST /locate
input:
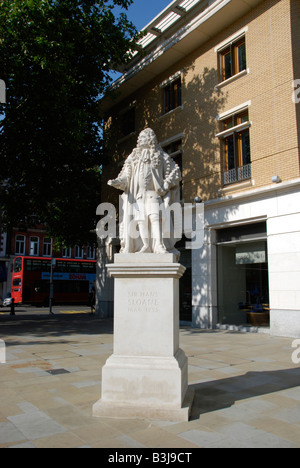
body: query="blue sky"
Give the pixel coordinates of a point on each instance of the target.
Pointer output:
(141, 12)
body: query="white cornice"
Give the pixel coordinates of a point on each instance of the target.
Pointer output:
(193, 30)
(264, 192)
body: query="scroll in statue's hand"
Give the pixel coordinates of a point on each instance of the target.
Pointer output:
(164, 190)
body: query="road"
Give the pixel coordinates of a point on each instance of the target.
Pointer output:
(21, 310)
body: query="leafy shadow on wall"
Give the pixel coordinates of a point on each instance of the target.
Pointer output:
(202, 168)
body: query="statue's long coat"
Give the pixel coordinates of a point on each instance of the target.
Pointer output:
(164, 169)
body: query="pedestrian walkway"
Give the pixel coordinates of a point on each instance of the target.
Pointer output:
(247, 389)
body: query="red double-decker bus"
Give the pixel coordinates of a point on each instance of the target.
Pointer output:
(72, 280)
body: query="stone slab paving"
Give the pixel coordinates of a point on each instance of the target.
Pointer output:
(247, 389)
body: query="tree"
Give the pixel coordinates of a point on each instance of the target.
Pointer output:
(55, 58)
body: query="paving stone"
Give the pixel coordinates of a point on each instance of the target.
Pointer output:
(247, 390)
(34, 424)
(9, 433)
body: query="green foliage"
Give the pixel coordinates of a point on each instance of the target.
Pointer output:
(55, 58)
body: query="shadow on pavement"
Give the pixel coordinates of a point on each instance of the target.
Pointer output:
(224, 393)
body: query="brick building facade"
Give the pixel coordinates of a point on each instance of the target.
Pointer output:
(217, 83)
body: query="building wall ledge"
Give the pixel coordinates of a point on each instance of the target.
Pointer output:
(290, 185)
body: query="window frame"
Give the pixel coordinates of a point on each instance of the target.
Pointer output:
(90, 252)
(233, 128)
(47, 246)
(20, 242)
(172, 95)
(66, 252)
(34, 246)
(232, 47)
(78, 251)
(128, 121)
(174, 149)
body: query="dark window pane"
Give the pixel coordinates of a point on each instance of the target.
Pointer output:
(167, 98)
(246, 148)
(226, 124)
(33, 265)
(88, 267)
(172, 96)
(128, 122)
(242, 57)
(227, 65)
(177, 92)
(18, 265)
(229, 142)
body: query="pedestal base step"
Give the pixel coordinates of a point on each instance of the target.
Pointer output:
(113, 410)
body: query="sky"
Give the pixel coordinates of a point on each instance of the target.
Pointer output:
(141, 12)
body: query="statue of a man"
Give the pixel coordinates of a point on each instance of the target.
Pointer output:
(150, 180)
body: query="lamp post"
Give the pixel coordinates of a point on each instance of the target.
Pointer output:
(53, 265)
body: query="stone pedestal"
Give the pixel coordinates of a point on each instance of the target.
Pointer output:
(147, 375)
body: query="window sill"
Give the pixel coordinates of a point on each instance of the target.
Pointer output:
(236, 187)
(171, 112)
(232, 78)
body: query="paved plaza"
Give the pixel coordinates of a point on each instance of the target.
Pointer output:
(247, 389)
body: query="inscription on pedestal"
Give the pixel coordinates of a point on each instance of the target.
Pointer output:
(143, 301)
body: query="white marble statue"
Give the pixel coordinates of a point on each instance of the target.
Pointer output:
(150, 180)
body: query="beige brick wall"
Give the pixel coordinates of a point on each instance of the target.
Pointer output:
(295, 30)
(275, 119)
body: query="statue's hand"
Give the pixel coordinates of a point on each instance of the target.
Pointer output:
(113, 183)
(166, 186)
(161, 192)
(117, 184)
(164, 189)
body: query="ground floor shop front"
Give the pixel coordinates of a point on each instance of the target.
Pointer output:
(248, 271)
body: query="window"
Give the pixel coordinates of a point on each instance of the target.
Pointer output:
(235, 148)
(18, 265)
(47, 247)
(34, 246)
(78, 251)
(88, 267)
(233, 59)
(243, 274)
(174, 150)
(74, 267)
(20, 245)
(128, 121)
(90, 252)
(33, 265)
(62, 267)
(66, 252)
(172, 95)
